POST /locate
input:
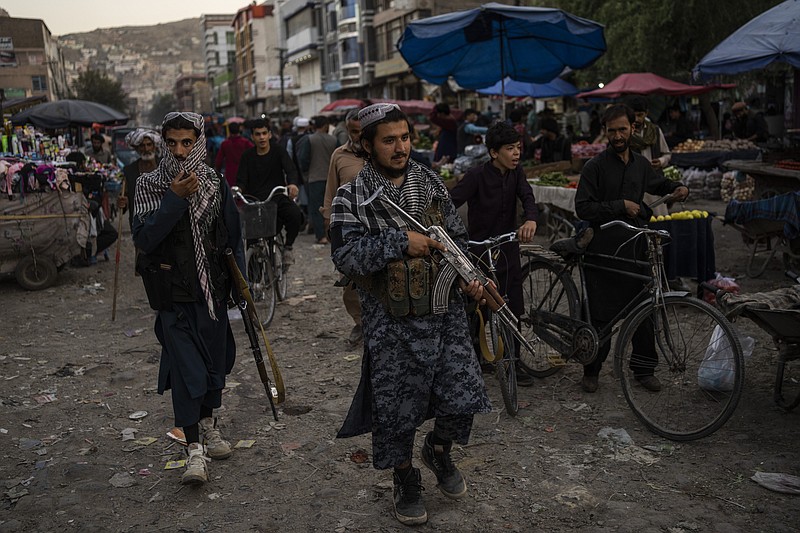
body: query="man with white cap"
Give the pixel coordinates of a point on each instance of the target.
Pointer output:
(416, 364)
(147, 143)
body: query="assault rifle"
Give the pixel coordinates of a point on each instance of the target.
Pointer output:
(244, 301)
(453, 264)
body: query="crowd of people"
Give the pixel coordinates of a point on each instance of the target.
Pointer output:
(418, 364)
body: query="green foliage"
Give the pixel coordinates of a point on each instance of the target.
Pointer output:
(162, 104)
(95, 86)
(667, 38)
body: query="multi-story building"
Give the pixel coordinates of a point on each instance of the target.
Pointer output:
(392, 77)
(219, 45)
(192, 93)
(31, 63)
(348, 63)
(302, 30)
(259, 62)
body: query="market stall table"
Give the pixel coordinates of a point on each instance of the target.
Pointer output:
(770, 179)
(710, 159)
(690, 253)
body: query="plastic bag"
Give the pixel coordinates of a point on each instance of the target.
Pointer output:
(717, 371)
(721, 282)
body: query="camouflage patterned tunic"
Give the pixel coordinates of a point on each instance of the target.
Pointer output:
(414, 367)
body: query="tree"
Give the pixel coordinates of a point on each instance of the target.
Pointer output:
(162, 104)
(95, 86)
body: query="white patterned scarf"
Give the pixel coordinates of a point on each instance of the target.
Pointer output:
(204, 205)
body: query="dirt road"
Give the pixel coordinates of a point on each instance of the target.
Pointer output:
(70, 379)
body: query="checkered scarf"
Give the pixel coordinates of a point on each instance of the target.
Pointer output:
(204, 205)
(419, 188)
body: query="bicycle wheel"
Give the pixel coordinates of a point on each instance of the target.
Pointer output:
(499, 338)
(259, 273)
(279, 268)
(544, 288)
(699, 364)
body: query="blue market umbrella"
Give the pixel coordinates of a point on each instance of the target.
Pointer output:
(483, 46)
(772, 36)
(553, 89)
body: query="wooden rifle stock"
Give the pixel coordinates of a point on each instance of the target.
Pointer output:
(251, 321)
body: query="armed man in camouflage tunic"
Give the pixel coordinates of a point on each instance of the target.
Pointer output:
(417, 365)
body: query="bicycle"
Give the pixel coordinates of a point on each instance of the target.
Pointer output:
(685, 330)
(266, 270)
(498, 345)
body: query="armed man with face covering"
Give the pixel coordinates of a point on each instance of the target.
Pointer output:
(184, 220)
(416, 364)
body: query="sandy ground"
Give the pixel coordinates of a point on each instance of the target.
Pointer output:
(70, 378)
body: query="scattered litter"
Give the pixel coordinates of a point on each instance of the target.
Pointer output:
(231, 384)
(290, 446)
(661, 448)
(351, 357)
(3, 431)
(137, 415)
(15, 493)
(133, 332)
(277, 426)
(144, 472)
(344, 524)
(122, 480)
(40, 451)
(245, 443)
(29, 444)
(145, 441)
(45, 398)
(297, 300)
(549, 429)
(157, 497)
(128, 433)
(70, 370)
(362, 494)
(87, 451)
(359, 456)
(93, 288)
(778, 482)
(617, 436)
(575, 406)
(214, 496)
(176, 434)
(172, 465)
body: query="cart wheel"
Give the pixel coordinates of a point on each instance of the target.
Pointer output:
(35, 274)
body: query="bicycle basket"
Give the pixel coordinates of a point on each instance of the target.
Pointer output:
(259, 220)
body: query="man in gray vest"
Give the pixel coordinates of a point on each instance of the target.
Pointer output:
(314, 157)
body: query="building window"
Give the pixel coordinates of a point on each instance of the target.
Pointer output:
(230, 38)
(301, 21)
(214, 38)
(216, 59)
(231, 57)
(39, 83)
(349, 8)
(330, 9)
(333, 61)
(350, 50)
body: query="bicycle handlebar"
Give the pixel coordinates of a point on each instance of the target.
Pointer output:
(280, 189)
(491, 242)
(638, 230)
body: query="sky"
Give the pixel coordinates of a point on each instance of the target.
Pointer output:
(76, 16)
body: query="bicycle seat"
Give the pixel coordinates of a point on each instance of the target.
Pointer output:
(573, 246)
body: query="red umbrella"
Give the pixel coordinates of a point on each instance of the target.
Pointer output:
(648, 83)
(343, 105)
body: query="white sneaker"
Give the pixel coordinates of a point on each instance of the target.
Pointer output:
(216, 446)
(196, 468)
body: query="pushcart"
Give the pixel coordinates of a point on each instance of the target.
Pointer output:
(768, 226)
(40, 233)
(778, 313)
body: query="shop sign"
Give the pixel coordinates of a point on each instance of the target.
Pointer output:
(13, 93)
(332, 86)
(274, 82)
(8, 58)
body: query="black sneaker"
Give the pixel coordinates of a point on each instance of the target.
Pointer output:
(451, 482)
(408, 506)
